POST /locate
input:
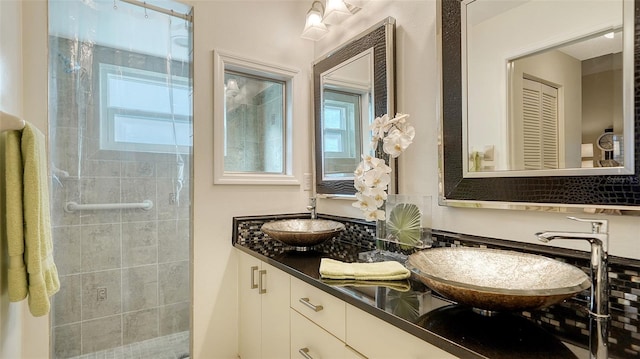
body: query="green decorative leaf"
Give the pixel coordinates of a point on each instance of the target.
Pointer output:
(404, 304)
(403, 224)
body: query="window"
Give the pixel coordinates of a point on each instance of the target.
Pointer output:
(144, 111)
(253, 122)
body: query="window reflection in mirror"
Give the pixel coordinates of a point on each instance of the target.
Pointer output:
(341, 133)
(346, 113)
(542, 89)
(254, 137)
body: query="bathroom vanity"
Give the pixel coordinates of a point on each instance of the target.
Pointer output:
(299, 319)
(408, 320)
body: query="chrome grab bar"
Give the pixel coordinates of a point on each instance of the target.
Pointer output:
(71, 207)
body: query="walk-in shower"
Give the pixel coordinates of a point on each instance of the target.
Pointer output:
(120, 114)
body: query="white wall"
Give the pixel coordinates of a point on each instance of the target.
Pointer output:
(11, 102)
(22, 335)
(270, 32)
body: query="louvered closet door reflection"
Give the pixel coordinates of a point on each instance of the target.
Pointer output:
(540, 125)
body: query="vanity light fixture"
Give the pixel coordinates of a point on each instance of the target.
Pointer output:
(314, 28)
(319, 16)
(335, 12)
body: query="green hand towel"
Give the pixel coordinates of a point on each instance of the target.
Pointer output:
(30, 248)
(333, 269)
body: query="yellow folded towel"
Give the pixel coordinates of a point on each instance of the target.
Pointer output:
(31, 268)
(333, 269)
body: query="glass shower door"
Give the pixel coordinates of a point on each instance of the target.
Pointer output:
(120, 108)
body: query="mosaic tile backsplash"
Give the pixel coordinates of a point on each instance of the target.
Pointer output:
(568, 320)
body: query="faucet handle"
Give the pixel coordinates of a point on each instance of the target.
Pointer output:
(597, 225)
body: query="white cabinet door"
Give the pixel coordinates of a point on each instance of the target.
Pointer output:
(351, 353)
(264, 309)
(309, 341)
(250, 323)
(275, 312)
(376, 338)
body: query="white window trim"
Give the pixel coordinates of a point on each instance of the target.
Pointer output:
(225, 61)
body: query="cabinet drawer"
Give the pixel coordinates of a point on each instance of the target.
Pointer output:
(309, 341)
(376, 338)
(322, 308)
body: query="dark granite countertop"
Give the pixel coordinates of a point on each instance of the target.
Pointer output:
(411, 306)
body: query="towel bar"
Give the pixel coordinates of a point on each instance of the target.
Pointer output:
(10, 122)
(74, 206)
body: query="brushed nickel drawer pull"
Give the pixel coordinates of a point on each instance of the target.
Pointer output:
(315, 308)
(262, 287)
(254, 285)
(305, 353)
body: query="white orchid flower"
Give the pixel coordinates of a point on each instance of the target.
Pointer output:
(359, 172)
(376, 162)
(367, 162)
(372, 176)
(379, 194)
(377, 177)
(380, 126)
(396, 142)
(370, 162)
(377, 215)
(365, 203)
(401, 118)
(409, 131)
(359, 184)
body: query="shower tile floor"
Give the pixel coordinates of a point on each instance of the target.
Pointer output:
(174, 346)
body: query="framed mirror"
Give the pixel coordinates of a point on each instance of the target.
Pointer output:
(483, 157)
(352, 85)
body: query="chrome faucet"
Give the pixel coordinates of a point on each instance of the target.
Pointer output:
(312, 207)
(599, 298)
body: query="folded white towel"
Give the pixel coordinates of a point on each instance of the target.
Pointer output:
(333, 269)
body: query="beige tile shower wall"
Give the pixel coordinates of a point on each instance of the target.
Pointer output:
(124, 273)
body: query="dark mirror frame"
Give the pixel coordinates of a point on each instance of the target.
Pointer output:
(380, 37)
(620, 192)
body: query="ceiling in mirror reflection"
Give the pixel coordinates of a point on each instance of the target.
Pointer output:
(542, 82)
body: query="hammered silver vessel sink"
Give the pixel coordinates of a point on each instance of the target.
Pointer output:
(302, 233)
(497, 280)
